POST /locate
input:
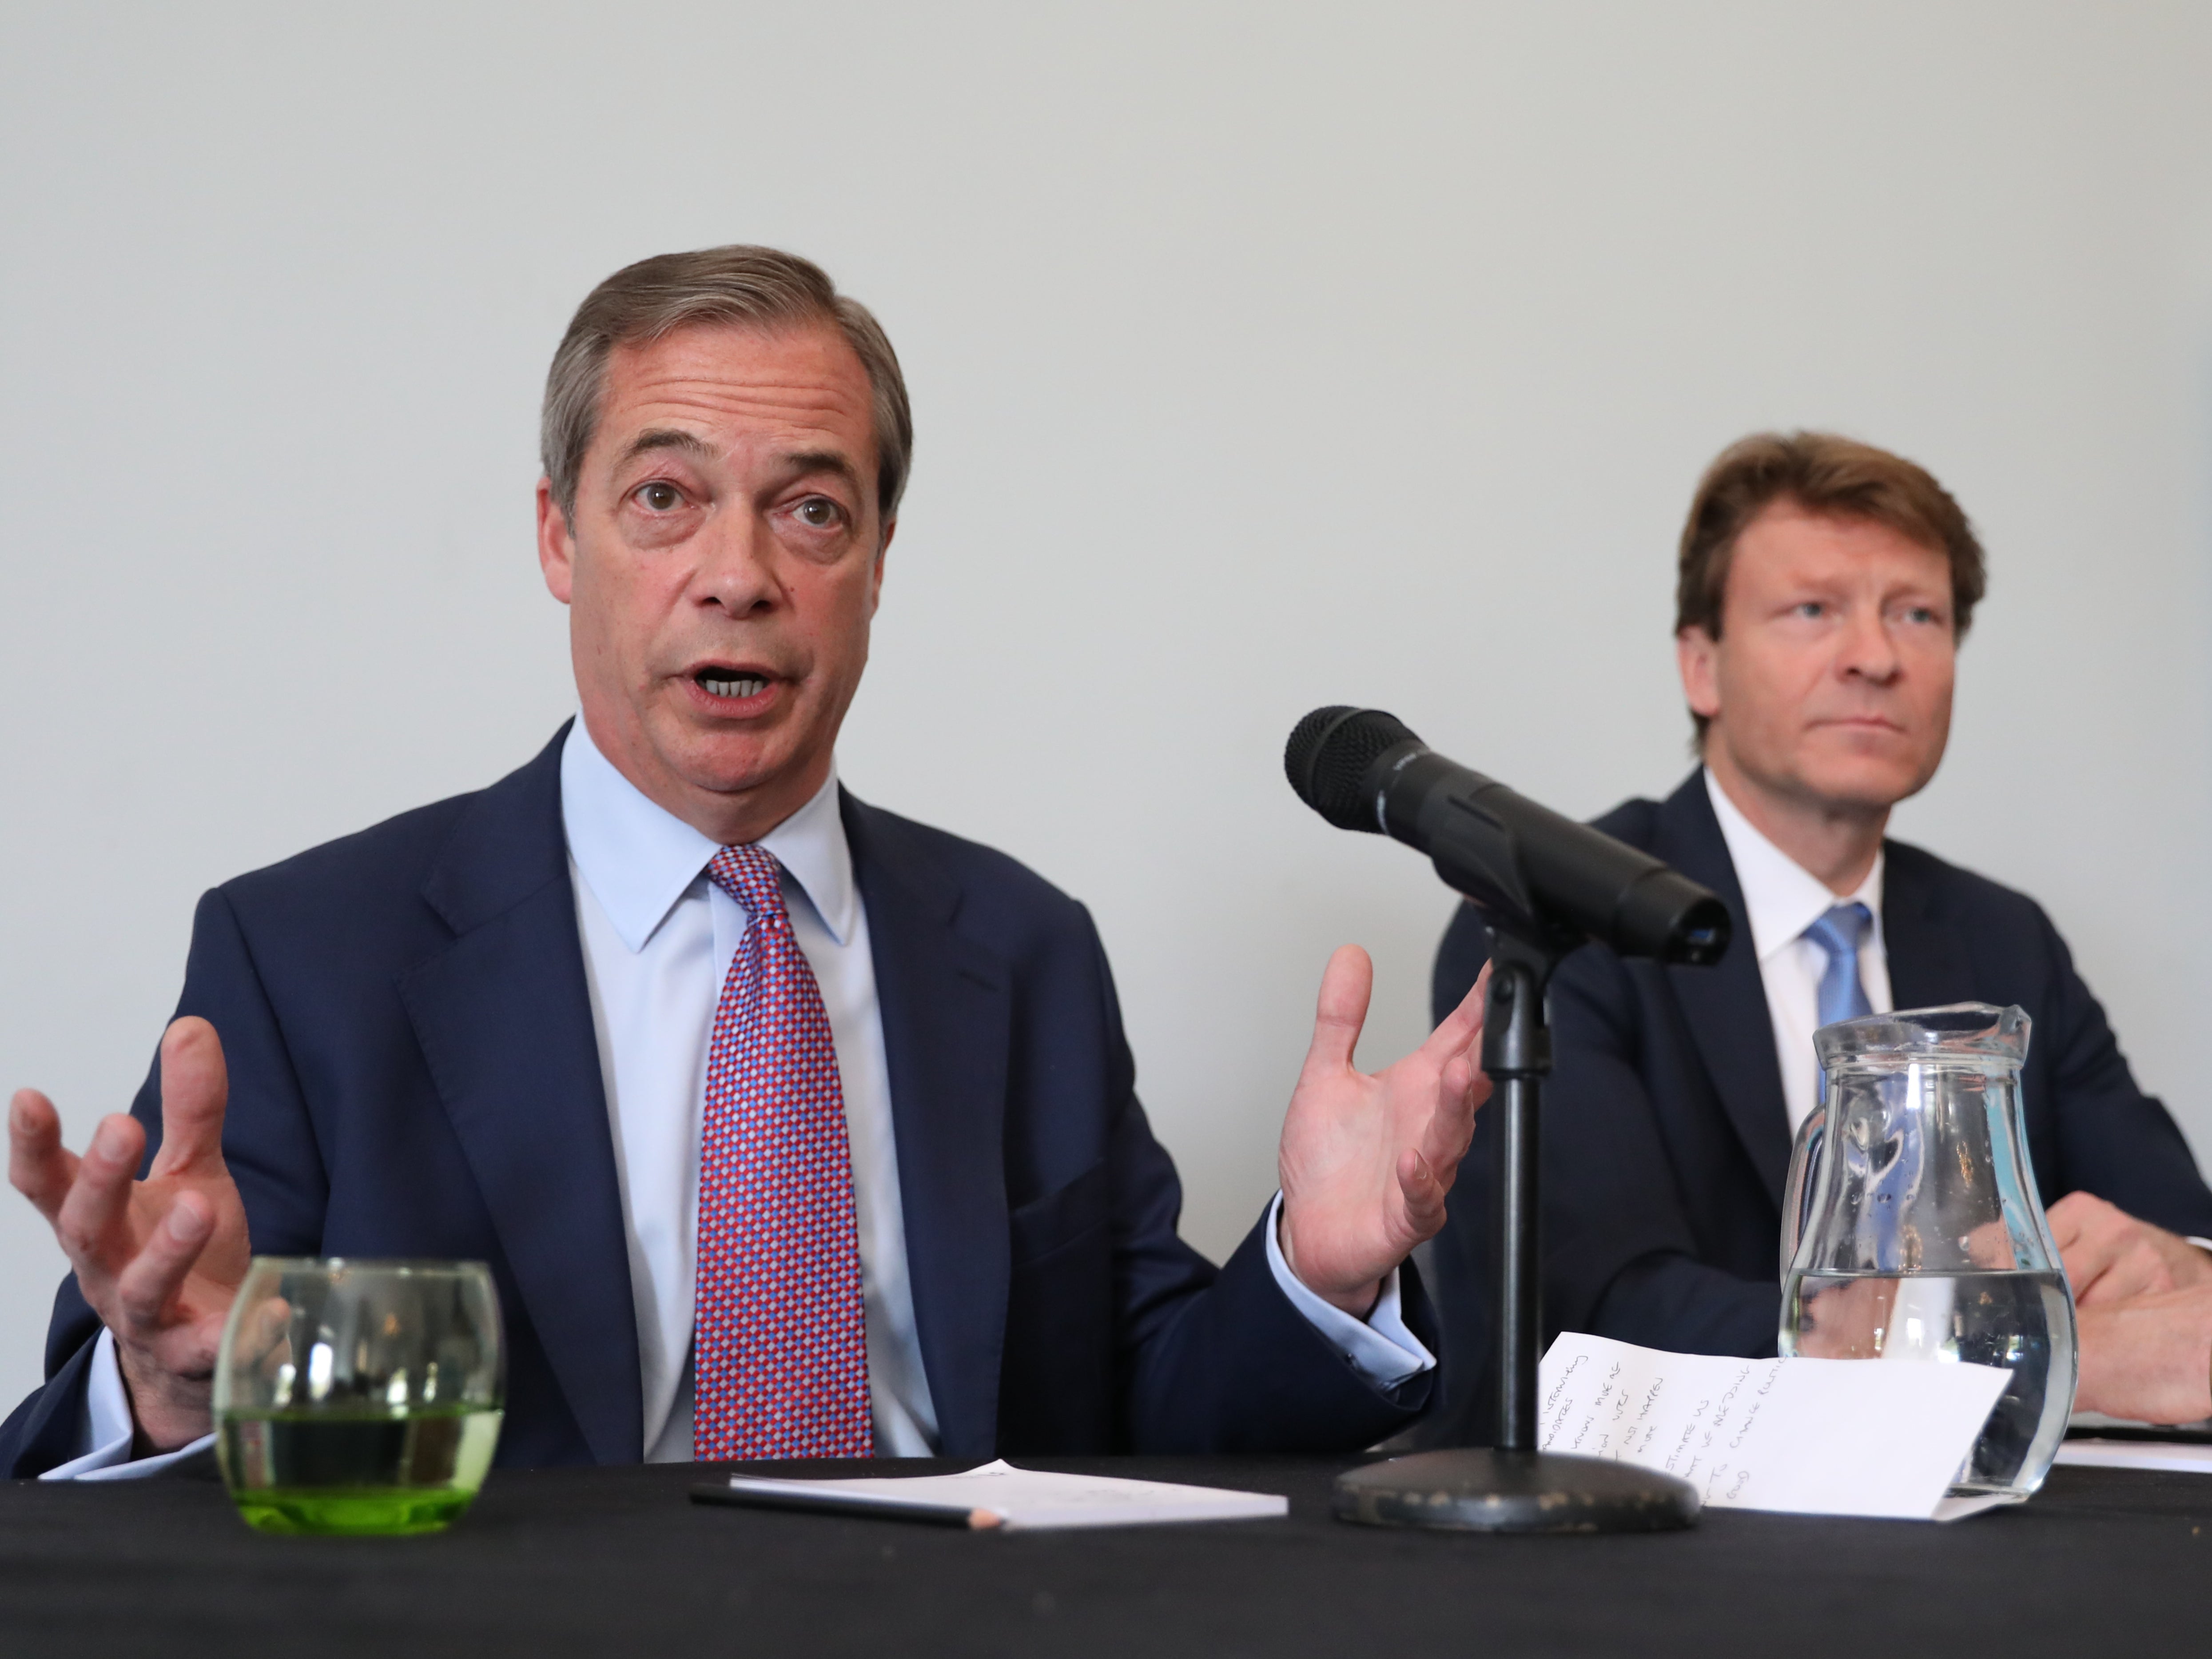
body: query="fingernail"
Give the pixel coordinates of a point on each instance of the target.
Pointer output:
(184, 1224)
(107, 1141)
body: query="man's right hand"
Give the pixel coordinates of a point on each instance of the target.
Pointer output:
(159, 1260)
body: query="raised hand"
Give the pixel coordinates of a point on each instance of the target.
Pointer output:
(159, 1260)
(1367, 1160)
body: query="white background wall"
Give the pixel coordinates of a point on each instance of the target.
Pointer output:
(1263, 356)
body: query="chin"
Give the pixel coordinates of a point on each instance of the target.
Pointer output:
(722, 764)
(1865, 788)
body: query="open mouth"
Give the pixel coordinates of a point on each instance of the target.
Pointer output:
(730, 684)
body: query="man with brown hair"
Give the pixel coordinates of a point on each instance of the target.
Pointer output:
(1824, 588)
(788, 1127)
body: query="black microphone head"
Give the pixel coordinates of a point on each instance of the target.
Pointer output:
(1328, 754)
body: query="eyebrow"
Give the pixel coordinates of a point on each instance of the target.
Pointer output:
(796, 465)
(799, 465)
(665, 437)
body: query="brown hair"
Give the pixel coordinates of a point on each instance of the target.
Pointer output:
(1822, 473)
(746, 286)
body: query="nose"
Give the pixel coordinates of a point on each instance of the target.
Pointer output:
(1868, 652)
(736, 573)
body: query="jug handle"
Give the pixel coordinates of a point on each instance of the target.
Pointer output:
(1797, 1189)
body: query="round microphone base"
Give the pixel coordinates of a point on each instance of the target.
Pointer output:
(1477, 1489)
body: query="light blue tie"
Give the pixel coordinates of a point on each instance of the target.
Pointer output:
(1890, 1185)
(1842, 997)
(1840, 934)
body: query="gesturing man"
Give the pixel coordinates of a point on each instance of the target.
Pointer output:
(788, 1127)
(1824, 586)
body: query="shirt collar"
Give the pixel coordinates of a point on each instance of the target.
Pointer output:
(639, 858)
(1781, 897)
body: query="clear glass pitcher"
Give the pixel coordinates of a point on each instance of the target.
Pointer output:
(1910, 1228)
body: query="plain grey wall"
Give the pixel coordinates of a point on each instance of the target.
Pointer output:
(1263, 356)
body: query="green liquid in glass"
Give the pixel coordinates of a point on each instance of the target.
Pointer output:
(329, 1471)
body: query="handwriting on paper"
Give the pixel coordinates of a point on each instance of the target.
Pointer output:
(1808, 1436)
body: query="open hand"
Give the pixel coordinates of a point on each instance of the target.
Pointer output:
(1367, 1160)
(159, 1260)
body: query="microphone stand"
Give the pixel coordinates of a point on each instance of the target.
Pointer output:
(1512, 1486)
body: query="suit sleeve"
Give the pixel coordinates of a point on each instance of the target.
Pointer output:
(2113, 1140)
(1213, 1362)
(267, 1142)
(1621, 1257)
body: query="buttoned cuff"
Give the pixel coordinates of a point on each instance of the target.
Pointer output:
(1381, 1349)
(108, 1430)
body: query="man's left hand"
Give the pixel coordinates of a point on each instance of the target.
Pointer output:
(2149, 1358)
(2110, 1256)
(1367, 1160)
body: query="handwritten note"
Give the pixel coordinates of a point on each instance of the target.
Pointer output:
(1808, 1437)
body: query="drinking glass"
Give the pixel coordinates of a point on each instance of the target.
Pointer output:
(359, 1396)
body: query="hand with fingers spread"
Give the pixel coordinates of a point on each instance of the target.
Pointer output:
(159, 1260)
(2110, 1256)
(1366, 1161)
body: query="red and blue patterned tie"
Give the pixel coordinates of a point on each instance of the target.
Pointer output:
(781, 1338)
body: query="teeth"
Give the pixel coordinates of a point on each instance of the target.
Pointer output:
(734, 685)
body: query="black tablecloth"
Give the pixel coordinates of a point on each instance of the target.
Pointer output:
(618, 1561)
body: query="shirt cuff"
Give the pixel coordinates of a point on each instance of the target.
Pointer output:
(108, 1430)
(1381, 1349)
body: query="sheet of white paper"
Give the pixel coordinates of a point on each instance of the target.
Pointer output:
(1030, 1500)
(2182, 1456)
(1808, 1437)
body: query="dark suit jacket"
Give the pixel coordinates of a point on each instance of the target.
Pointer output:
(413, 1072)
(1666, 1139)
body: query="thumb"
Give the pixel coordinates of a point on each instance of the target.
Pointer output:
(195, 1088)
(1346, 985)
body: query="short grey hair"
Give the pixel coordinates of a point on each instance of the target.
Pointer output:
(746, 286)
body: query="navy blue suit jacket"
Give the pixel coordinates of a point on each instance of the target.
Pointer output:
(413, 1072)
(1666, 1138)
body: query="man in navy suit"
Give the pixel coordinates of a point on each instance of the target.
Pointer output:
(503, 1027)
(1824, 587)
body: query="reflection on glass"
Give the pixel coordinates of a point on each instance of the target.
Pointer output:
(359, 1396)
(1910, 1230)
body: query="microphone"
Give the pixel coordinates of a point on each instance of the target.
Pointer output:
(1530, 870)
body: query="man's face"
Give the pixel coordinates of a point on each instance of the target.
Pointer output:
(1830, 685)
(722, 566)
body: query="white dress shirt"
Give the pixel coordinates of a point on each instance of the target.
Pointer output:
(658, 939)
(1781, 899)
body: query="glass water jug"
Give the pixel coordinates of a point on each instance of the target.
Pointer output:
(1910, 1228)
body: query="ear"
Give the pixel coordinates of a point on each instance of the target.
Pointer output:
(556, 549)
(1697, 654)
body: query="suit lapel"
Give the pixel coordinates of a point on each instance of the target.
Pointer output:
(1928, 963)
(946, 1006)
(504, 1019)
(1725, 1005)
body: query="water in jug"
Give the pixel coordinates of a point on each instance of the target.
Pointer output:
(1912, 1230)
